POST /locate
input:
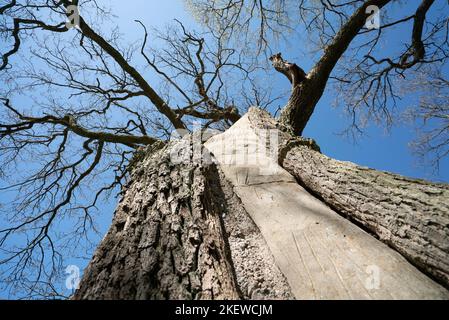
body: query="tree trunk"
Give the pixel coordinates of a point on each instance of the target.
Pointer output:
(410, 215)
(179, 232)
(197, 230)
(166, 240)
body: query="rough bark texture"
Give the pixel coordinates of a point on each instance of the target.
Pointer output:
(412, 216)
(257, 274)
(168, 238)
(181, 232)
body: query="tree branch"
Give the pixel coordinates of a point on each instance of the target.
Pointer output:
(70, 123)
(305, 97)
(295, 74)
(159, 103)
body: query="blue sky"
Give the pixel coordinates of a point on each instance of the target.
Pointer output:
(378, 149)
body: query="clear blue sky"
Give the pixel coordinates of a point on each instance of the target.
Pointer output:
(379, 149)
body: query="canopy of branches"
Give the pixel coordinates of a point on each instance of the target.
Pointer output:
(86, 101)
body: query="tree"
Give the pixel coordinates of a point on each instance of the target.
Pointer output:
(92, 115)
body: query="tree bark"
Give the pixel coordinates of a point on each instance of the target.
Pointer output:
(167, 239)
(181, 232)
(410, 215)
